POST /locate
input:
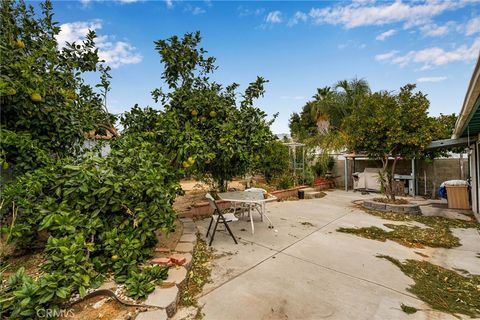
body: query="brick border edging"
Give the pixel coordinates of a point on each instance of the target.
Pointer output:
(397, 208)
(185, 246)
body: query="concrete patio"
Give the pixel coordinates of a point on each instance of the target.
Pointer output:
(304, 269)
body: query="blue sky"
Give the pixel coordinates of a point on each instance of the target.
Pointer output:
(297, 46)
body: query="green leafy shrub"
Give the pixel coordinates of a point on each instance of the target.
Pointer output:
(274, 161)
(140, 284)
(100, 214)
(285, 182)
(323, 165)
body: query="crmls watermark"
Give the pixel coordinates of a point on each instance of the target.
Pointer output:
(51, 313)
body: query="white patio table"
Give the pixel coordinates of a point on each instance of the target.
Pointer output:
(253, 200)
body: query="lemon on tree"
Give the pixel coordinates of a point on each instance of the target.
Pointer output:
(19, 44)
(36, 97)
(191, 160)
(115, 258)
(194, 113)
(213, 114)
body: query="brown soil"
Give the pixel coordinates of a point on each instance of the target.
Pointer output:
(195, 193)
(170, 240)
(389, 201)
(31, 262)
(109, 310)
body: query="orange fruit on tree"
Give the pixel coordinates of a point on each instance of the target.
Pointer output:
(19, 44)
(36, 97)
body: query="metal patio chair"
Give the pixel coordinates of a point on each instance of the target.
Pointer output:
(219, 215)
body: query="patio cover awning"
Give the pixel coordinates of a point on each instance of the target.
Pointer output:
(468, 122)
(450, 143)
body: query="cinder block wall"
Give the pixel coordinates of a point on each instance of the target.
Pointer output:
(435, 172)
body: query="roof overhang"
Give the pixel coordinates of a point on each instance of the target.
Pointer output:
(450, 143)
(470, 108)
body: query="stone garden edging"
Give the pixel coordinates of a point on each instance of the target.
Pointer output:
(166, 297)
(387, 207)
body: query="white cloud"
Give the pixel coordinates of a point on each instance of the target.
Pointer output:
(115, 53)
(387, 34)
(197, 10)
(194, 9)
(118, 53)
(274, 17)
(386, 56)
(87, 3)
(433, 30)
(432, 79)
(473, 26)
(365, 13)
(434, 56)
(169, 3)
(299, 16)
(245, 11)
(76, 31)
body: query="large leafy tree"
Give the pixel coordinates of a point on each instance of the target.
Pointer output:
(202, 127)
(388, 126)
(321, 119)
(99, 214)
(45, 103)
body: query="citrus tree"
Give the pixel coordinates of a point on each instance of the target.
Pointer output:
(390, 126)
(274, 161)
(45, 103)
(202, 128)
(97, 214)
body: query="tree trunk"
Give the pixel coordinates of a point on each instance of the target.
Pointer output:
(391, 179)
(384, 177)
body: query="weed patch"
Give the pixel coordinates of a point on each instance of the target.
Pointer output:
(444, 290)
(437, 234)
(197, 277)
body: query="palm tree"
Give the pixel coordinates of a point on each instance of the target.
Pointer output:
(353, 91)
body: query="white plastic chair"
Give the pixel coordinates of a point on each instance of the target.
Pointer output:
(260, 207)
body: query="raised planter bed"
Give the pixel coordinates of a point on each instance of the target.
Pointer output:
(398, 208)
(323, 183)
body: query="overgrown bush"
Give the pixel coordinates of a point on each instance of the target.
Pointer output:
(100, 214)
(273, 161)
(286, 181)
(323, 165)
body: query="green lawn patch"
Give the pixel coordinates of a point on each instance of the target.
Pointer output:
(444, 290)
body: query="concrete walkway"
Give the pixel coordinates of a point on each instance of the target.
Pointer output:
(304, 269)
